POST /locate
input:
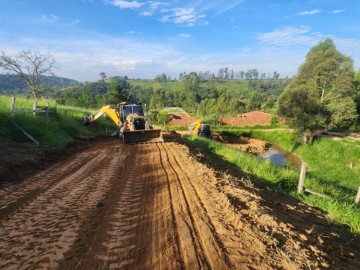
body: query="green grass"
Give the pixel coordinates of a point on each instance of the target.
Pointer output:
(341, 209)
(55, 130)
(335, 162)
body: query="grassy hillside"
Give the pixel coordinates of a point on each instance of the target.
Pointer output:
(11, 84)
(56, 130)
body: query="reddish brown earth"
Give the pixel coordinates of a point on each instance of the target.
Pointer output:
(180, 119)
(247, 119)
(250, 119)
(160, 206)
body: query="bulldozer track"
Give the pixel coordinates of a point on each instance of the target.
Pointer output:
(152, 206)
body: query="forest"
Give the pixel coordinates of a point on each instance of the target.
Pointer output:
(215, 97)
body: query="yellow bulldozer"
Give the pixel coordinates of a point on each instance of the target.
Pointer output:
(131, 121)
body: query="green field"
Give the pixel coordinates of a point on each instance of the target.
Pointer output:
(56, 130)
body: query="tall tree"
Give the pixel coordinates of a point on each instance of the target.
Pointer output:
(322, 94)
(102, 75)
(28, 66)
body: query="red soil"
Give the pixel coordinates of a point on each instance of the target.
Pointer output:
(180, 119)
(250, 119)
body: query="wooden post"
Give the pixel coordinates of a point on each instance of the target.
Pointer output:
(12, 107)
(47, 108)
(357, 200)
(34, 107)
(300, 188)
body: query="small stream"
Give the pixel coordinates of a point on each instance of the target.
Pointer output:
(279, 156)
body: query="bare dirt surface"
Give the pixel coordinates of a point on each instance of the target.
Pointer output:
(250, 119)
(160, 206)
(181, 119)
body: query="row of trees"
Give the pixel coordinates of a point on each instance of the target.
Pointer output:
(191, 94)
(230, 74)
(223, 74)
(325, 94)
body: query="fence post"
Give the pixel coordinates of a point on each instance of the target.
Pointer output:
(47, 108)
(301, 178)
(357, 200)
(34, 107)
(12, 107)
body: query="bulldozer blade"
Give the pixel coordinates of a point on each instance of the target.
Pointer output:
(141, 136)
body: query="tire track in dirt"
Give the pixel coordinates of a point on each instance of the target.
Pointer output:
(50, 221)
(141, 232)
(18, 194)
(154, 206)
(239, 243)
(194, 222)
(245, 245)
(121, 245)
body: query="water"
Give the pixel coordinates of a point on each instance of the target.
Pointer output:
(279, 156)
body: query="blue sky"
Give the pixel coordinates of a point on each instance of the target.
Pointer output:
(142, 39)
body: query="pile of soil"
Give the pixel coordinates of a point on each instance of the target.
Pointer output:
(250, 119)
(180, 119)
(250, 145)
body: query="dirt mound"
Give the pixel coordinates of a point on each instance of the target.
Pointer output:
(250, 119)
(246, 144)
(180, 119)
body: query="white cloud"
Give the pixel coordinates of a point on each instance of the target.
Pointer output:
(124, 4)
(76, 21)
(303, 37)
(186, 16)
(47, 18)
(310, 12)
(231, 6)
(154, 6)
(290, 36)
(184, 35)
(337, 11)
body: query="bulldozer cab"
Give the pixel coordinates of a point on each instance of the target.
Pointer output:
(140, 130)
(126, 109)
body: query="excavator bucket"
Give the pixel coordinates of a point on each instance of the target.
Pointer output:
(142, 136)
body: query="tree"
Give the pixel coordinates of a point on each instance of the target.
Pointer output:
(116, 94)
(28, 66)
(161, 78)
(322, 94)
(102, 75)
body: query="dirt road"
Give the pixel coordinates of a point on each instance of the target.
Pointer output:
(157, 206)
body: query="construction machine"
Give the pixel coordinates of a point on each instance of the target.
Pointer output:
(131, 121)
(204, 130)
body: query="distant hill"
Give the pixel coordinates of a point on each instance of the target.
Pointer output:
(11, 84)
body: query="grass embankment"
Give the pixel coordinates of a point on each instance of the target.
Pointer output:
(55, 130)
(327, 172)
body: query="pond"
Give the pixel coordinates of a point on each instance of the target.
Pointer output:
(279, 156)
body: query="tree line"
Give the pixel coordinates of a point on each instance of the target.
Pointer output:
(325, 94)
(223, 74)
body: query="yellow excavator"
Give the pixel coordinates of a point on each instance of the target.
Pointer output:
(204, 130)
(132, 124)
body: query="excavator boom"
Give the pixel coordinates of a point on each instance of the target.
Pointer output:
(131, 115)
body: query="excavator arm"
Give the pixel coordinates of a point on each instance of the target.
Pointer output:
(106, 109)
(131, 115)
